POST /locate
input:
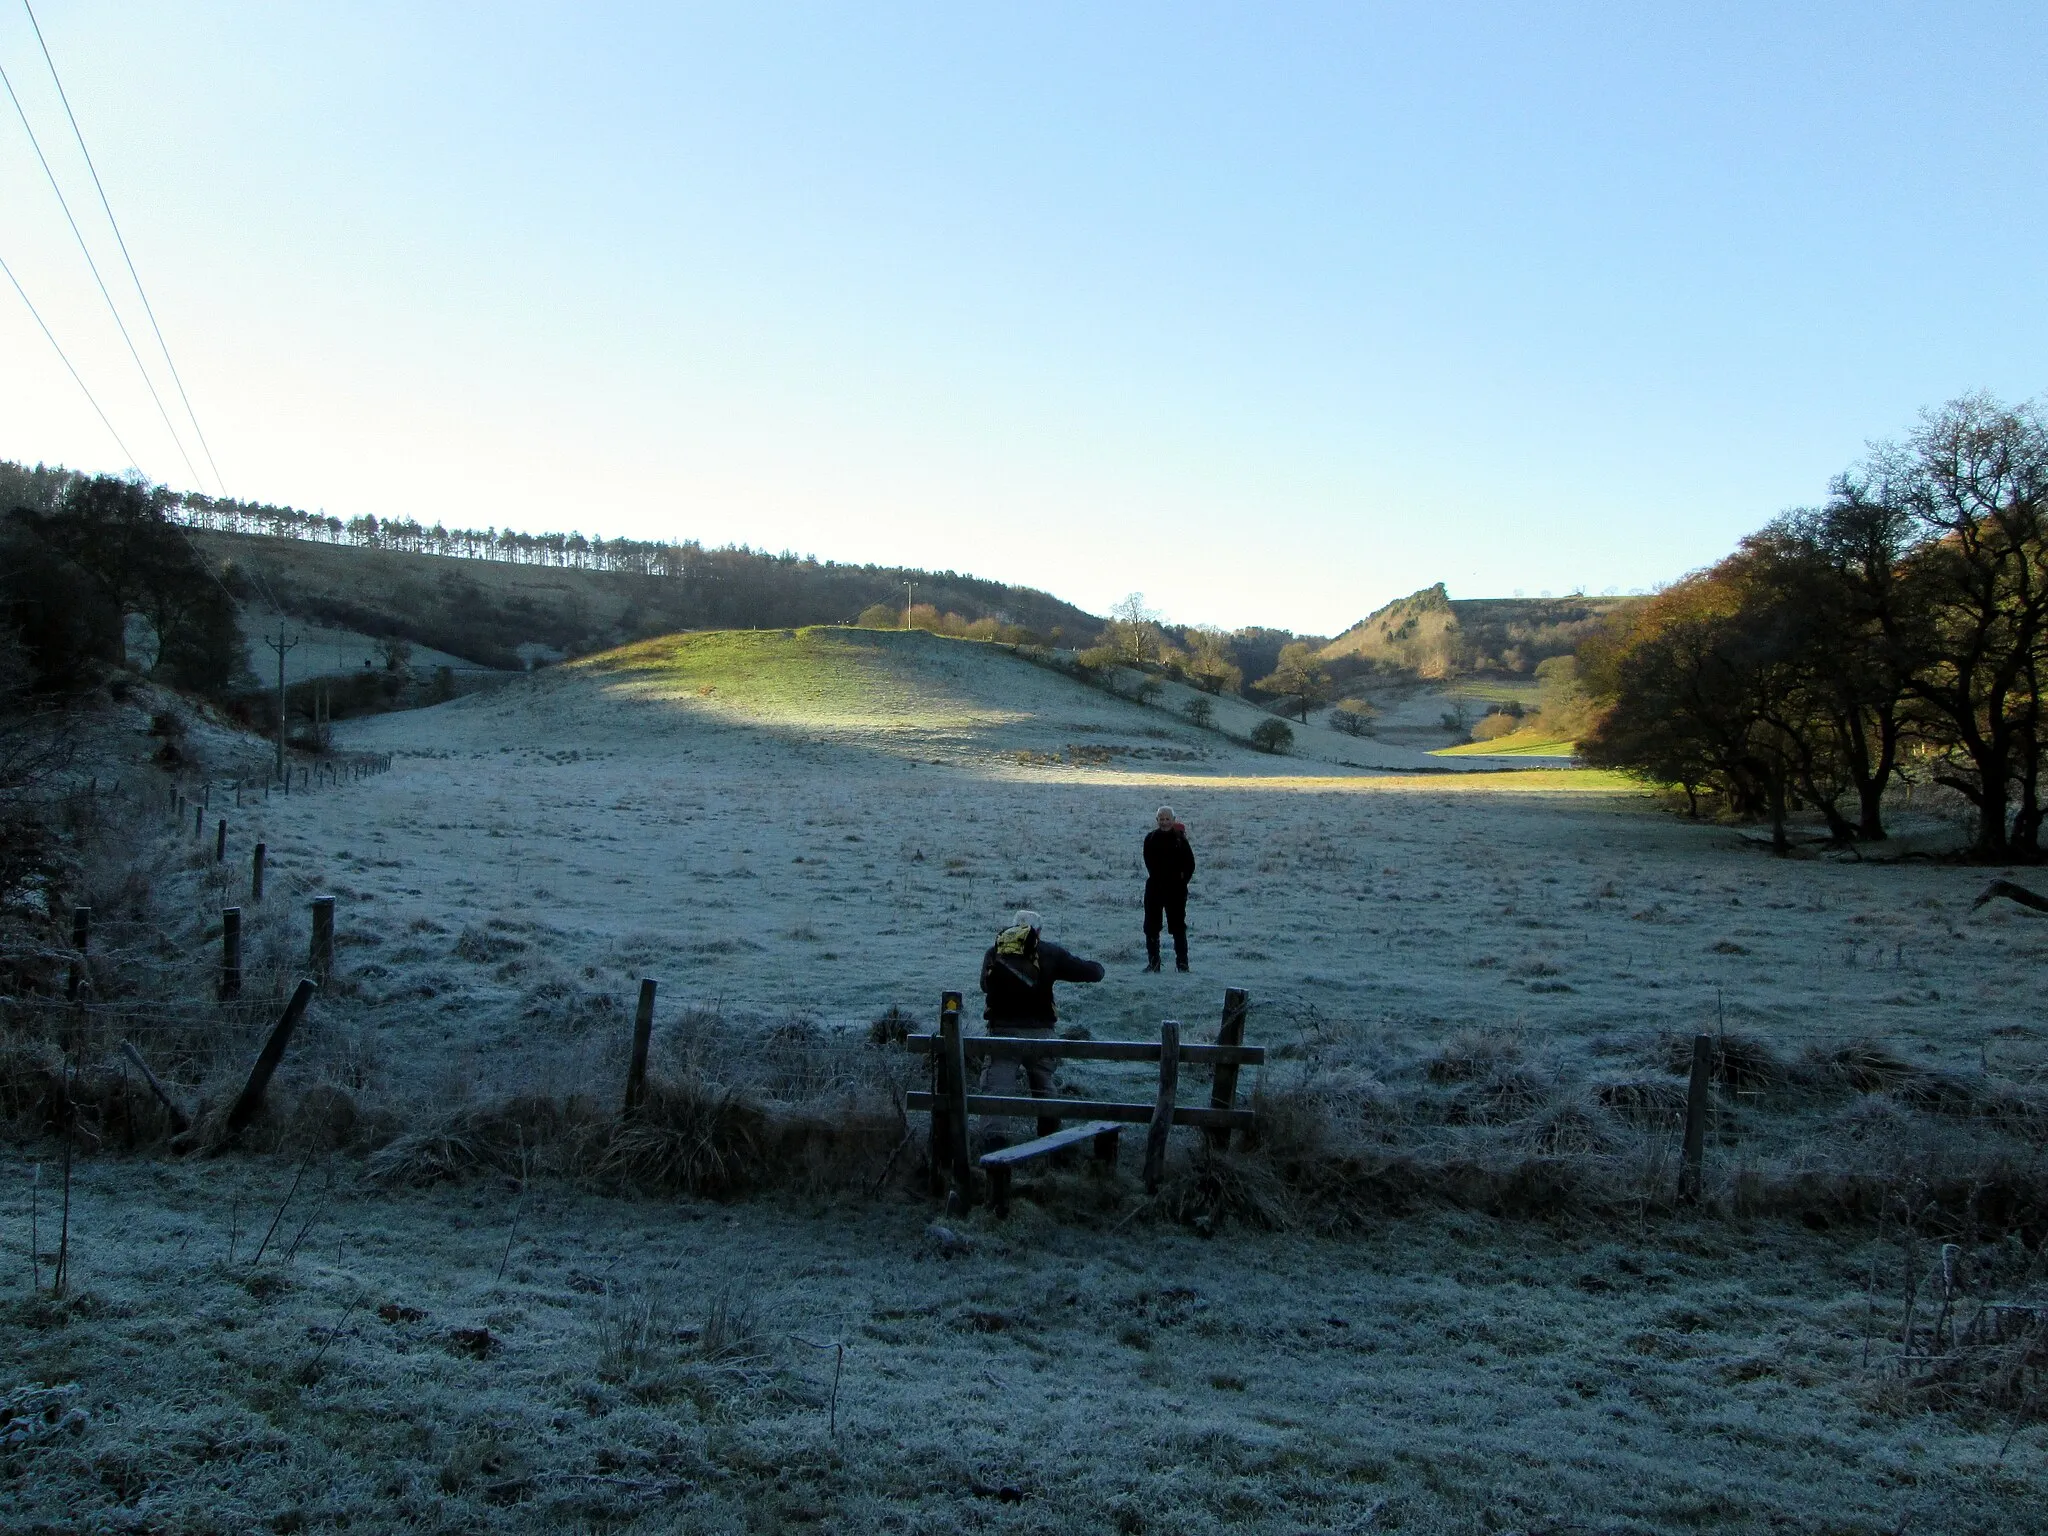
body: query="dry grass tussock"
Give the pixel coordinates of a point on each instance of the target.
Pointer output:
(1827, 1138)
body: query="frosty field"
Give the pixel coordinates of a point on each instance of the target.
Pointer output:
(795, 833)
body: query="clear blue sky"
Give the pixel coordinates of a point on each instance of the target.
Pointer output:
(1271, 311)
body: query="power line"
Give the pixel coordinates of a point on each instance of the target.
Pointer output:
(112, 308)
(125, 453)
(198, 431)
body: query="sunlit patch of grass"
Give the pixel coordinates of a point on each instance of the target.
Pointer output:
(1508, 781)
(822, 677)
(1529, 743)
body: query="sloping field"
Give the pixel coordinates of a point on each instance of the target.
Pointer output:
(1490, 973)
(906, 694)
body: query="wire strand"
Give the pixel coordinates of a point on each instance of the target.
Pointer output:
(120, 240)
(112, 308)
(125, 451)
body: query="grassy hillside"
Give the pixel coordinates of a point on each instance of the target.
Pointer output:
(485, 610)
(960, 700)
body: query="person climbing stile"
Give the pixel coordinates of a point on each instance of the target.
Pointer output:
(1169, 866)
(1017, 976)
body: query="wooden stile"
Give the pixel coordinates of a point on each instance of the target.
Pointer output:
(953, 1076)
(1223, 1092)
(1162, 1110)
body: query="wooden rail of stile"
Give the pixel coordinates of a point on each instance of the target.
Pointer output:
(950, 1103)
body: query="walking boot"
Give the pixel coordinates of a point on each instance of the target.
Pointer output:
(1180, 955)
(1151, 952)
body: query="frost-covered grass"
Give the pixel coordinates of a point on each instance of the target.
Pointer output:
(655, 1366)
(1477, 989)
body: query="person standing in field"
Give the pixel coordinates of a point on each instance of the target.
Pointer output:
(1017, 976)
(1169, 866)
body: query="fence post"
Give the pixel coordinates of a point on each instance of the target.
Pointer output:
(230, 952)
(81, 934)
(954, 1073)
(1689, 1169)
(1162, 1108)
(199, 821)
(321, 956)
(1223, 1094)
(256, 872)
(220, 842)
(251, 1098)
(643, 1034)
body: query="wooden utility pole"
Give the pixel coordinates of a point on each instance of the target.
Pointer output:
(281, 645)
(909, 587)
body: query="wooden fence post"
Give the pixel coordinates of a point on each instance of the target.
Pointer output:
(1223, 1095)
(643, 1035)
(1690, 1169)
(321, 956)
(199, 821)
(220, 842)
(256, 872)
(231, 952)
(246, 1106)
(1162, 1108)
(954, 1072)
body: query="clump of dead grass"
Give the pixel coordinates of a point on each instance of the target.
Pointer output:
(1740, 1062)
(689, 1136)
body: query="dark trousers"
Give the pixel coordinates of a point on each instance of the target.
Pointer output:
(1005, 1078)
(1171, 903)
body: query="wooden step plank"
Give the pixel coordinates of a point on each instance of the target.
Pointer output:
(1013, 1048)
(1066, 1136)
(919, 1101)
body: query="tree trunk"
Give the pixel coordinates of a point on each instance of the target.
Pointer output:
(1780, 842)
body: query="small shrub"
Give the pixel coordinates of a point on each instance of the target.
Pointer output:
(892, 1028)
(1273, 736)
(1351, 716)
(1493, 727)
(1199, 712)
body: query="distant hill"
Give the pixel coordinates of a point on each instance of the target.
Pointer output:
(483, 594)
(1432, 635)
(485, 610)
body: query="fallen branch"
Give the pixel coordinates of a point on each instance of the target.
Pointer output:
(2011, 892)
(180, 1121)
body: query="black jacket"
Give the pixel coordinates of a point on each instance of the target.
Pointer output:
(1169, 857)
(1011, 1002)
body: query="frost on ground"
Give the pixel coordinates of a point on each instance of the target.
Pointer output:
(795, 834)
(654, 1366)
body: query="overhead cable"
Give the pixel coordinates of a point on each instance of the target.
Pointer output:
(130, 457)
(119, 239)
(112, 307)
